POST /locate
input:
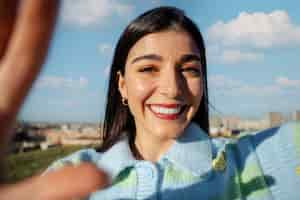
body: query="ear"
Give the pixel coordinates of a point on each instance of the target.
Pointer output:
(122, 85)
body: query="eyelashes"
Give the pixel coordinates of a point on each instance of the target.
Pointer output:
(194, 71)
(147, 69)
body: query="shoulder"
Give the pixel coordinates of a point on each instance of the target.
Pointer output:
(289, 128)
(288, 133)
(273, 145)
(284, 138)
(271, 159)
(84, 155)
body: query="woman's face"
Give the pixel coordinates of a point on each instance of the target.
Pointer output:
(163, 83)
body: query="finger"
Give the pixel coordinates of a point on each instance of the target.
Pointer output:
(66, 183)
(8, 9)
(26, 50)
(24, 55)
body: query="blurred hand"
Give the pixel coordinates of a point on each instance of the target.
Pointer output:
(25, 31)
(26, 27)
(69, 182)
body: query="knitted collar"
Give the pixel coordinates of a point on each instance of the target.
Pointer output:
(191, 151)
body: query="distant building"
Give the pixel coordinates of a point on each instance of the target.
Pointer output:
(215, 122)
(253, 125)
(65, 127)
(296, 115)
(275, 119)
(231, 122)
(75, 127)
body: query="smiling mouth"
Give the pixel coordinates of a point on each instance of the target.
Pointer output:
(167, 112)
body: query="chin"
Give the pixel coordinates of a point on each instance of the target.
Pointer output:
(169, 132)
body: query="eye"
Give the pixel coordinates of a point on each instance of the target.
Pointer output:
(194, 71)
(147, 69)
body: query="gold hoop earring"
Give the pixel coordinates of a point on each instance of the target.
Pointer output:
(124, 101)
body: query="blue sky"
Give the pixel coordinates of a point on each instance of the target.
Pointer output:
(252, 51)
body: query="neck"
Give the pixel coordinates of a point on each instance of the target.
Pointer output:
(150, 148)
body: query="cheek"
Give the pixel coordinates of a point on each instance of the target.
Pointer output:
(139, 90)
(196, 90)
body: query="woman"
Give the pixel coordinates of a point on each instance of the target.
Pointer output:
(139, 66)
(155, 142)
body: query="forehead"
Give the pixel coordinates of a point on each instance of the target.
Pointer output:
(166, 44)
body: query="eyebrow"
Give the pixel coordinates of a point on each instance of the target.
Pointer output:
(147, 57)
(189, 57)
(185, 58)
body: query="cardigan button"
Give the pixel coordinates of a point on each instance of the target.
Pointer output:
(147, 169)
(298, 170)
(148, 172)
(219, 163)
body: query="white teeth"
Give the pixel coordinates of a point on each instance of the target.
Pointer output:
(164, 110)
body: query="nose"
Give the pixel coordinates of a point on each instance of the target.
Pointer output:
(171, 84)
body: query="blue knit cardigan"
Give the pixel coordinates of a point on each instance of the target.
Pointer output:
(261, 166)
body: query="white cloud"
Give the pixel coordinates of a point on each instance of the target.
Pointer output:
(261, 90)
(58, 82)
(106, 49)
(220, 54)
(232, 95)
(237, 56)
(286, 82)
(89, 12)
(219, 84)
(258, 29)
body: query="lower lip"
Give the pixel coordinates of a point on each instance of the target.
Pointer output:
(166, 116)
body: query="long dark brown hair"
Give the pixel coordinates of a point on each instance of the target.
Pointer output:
(118, 119)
